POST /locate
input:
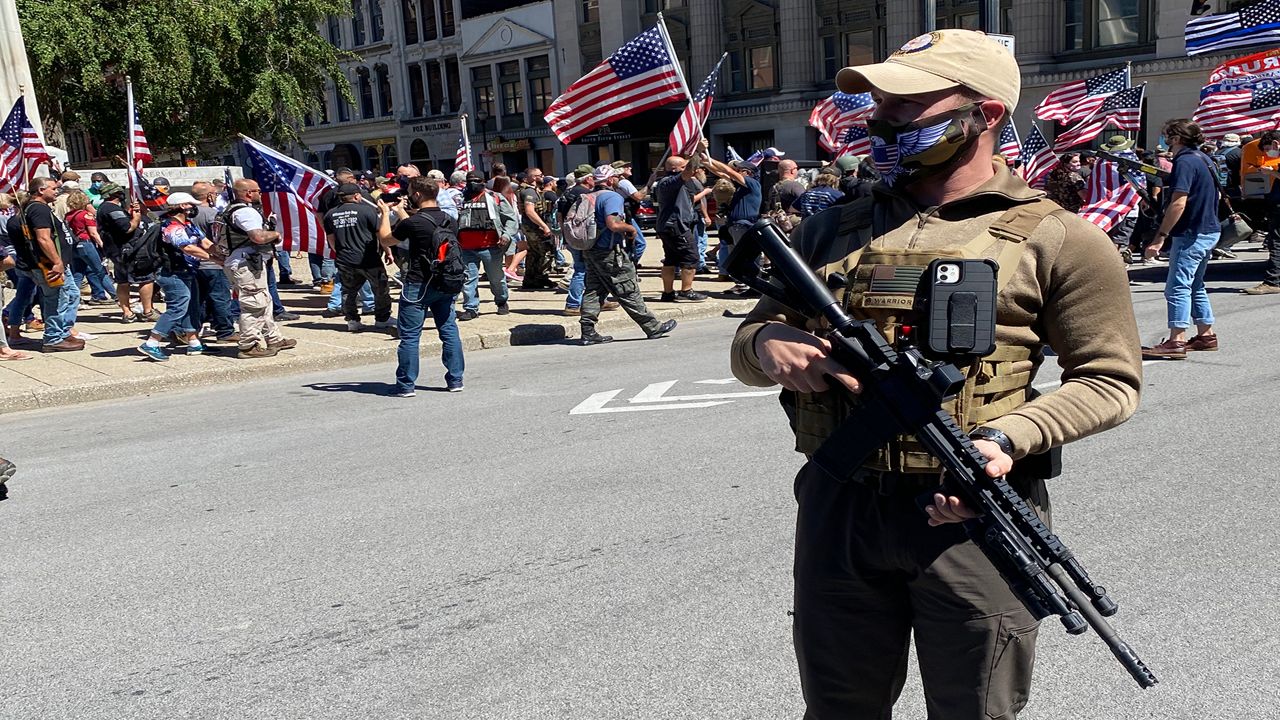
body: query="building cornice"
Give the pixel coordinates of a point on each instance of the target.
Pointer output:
(1158, 66)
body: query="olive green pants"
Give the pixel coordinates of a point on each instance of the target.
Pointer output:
(870, 573)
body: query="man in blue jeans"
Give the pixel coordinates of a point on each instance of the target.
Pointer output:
(426, 287)
(1191, 225)
(44, 251)
(482, 246)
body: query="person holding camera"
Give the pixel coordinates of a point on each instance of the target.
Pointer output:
(434, 275)
(251, 240)
(872, 568)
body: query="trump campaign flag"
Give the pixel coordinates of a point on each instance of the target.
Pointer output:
(290, 191)
(640, 75)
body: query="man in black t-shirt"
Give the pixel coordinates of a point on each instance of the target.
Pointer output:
(675, 221)
(45, 246)
(117, 225)
(537, 234)
(421, 292)
(352, 231)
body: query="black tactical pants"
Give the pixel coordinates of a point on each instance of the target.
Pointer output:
(611, 272)
(538, 260)
(870, 573)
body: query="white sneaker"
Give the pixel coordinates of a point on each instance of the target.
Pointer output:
(354, 326)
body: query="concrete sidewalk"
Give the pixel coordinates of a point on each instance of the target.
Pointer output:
(111, 365)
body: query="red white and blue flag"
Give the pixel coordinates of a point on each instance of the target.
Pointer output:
(1111, 195)
(640, 75)
(462, 161)
(688, 130)
(1080, 99)
(1037, 158)
(1244, 109)
(21, 150)
(1122, 111)
(290, 191)
(856, 141)
(836, 114)
(145, 192)
(1010, 145)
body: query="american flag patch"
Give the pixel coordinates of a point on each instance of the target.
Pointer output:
(895, 279)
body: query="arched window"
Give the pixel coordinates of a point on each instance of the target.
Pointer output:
(418, 151)
(384, 89)
(357, 22)
(390, 157)
(375, 20)
(366, 93)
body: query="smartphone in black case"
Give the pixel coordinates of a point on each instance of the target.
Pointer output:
(960, 297)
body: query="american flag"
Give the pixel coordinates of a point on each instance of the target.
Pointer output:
(731, 155)
(1256, 24)
(1122, 110)
(290, 191)
(688, 130)
(1010, 145)
(1246, 110)
(1038, 158)
(1080, 99)
(462, 161)
(139, 150)
(836, 114)
(769, 153)
(642, 74)
(1111, 196)
(856, 141)
(21, 150)
(145, 192)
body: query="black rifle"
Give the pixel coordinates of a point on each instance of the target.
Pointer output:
(902, 393)
(1127, 163)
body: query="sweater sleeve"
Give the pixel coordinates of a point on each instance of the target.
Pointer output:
(1087, 319)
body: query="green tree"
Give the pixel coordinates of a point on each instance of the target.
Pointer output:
(204, 69)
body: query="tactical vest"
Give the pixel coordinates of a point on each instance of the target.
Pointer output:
(235, 237)
(477, 228)
(881, 287)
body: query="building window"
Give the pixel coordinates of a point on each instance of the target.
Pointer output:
(390, 157)
(737, 79)
(417, 99)
(409, 11)
(538, 70)
(454, 80)
(761, 76)
(384, 89)
(344, 110)
(375, 20)
(366, 94)
(357, 23)
(335, 31)
(322, 103)
(1102, 24)
(590, 11)
(435, 90)
(512, 94)
(482, 81)
(428, 8)
(446, 18)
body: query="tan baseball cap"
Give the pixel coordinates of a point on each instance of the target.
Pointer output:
(941, 60)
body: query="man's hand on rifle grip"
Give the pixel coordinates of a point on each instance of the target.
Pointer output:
(951, 509)
(799, 361)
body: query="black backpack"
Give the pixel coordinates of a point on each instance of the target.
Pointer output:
(445, 270)
(145, 254)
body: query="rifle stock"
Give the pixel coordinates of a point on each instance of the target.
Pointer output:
(902, 392)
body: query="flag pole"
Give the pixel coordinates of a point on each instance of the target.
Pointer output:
(662, 29)
(22, 170)
(466, 140)
(130, 168)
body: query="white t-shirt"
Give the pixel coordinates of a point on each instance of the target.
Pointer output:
(247, 219)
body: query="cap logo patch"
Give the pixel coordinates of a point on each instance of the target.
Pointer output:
(922, 42)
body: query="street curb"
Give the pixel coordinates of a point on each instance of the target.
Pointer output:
(296, 363)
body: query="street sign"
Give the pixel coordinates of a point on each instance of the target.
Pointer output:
(1005, 40)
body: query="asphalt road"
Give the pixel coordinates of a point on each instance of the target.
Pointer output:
(303, 547)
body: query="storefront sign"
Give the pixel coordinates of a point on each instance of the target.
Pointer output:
(509, 145)
(379, 142)
(602, 138)
(434, 127)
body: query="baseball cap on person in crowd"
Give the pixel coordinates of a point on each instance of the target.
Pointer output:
(941, 60)
(435, 175)
(69, 176)
(348, 189)
(474, 176)
(109, 190)
(583, 170)
(848, 163)
(619, 164)
(1117, 143)
(69, 185)
(181, 198)
(1229, 140)
(604, 172)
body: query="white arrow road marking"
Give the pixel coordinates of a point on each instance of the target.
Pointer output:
(656, 393)
(596, 405)
(725, 381)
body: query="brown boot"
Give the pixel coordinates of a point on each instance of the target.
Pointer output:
(1167, 350)
(1203, 342)
(256, 351)
(69, 345)
(282, 344)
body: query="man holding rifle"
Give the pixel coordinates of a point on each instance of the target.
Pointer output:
(871, 567)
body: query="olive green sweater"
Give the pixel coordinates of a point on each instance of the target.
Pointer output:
(1070, 292)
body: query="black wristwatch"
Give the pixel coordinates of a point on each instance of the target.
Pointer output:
(995, 436)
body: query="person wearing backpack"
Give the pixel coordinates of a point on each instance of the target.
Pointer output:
(118, 222)
(609, 267)
(180, 246)
(481, 241)
(434, 275)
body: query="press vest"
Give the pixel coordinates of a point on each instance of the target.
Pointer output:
(882, 286)
(477, 226)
